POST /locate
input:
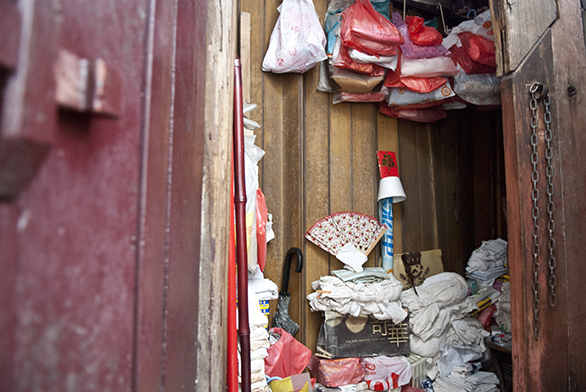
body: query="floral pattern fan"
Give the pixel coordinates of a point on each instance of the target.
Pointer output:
(336, 230)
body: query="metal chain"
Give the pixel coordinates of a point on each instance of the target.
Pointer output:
(553, 299)
(535, 210)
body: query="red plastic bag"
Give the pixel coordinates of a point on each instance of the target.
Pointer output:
(478, 48)
(424, 115)
(336, 372)
(422, 35)
(287, 357)
(342, 59)
(261, 229)
(343, 96)
(366, 30)
(459, 55)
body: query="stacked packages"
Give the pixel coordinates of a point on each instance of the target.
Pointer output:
(419, 85)
(472, 48)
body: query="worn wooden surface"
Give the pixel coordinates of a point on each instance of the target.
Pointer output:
(115, 256)
(517, 27)
(556, 360)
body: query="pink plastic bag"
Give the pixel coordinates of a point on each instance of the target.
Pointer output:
(336, 372)
(287, 357)
(261, 229)
(366, 30)
(383, 373)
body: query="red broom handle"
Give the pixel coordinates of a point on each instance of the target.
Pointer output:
(232, 370)
(241, 247)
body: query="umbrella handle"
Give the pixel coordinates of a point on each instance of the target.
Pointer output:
(287, 267)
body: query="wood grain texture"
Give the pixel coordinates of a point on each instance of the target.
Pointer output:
(539, 364)
(152, 232)
(419, 209)
(569, 144)
(364, 162)
(517, 27)
(210, 344)
(316, 191)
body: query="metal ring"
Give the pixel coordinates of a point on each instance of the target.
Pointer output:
(539, 90)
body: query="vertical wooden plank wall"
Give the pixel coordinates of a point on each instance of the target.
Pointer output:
(320, 158)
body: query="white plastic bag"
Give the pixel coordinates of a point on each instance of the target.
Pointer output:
(481, 25)
(298, 40)
(384, 373)
(389, 62)
(428, 68)
(478, 89)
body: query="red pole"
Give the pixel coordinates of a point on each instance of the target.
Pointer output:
(241, 247)
(232, 333)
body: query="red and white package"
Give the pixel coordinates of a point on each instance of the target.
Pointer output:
(383, 373)
(336, 372)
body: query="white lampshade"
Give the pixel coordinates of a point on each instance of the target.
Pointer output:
(391, 187)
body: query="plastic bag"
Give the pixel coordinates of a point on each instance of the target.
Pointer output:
(336, 372)
(428, 68)
(481, 25)
(411, 50)
(355, 83)
(342, 59)
(261, 228)
(389, 62)
(287, 356)
(478, 89)
(368, 31)
(459, 56)
(420, 85)
(333, 21)
(411, 99)
(478, 48)
(298, 41)
(342, 96)
(422, 35)
(425, 115)
(383, 373)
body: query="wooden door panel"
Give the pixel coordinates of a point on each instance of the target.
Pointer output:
(517, 27)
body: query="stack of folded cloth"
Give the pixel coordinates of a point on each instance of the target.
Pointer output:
(380, 298)
(488, 262)
(477, 382)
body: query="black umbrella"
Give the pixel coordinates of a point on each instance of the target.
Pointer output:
(281, 318)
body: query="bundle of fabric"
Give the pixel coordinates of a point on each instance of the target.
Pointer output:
(488, 262)
(419, 85)
(472, 48)
(477, 382)
(440, 314)
(380, 299)
(259, 344)
(503, 308)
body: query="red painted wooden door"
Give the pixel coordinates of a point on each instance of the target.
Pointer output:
(100, 204)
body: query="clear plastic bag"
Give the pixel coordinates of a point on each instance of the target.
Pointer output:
(298, 41)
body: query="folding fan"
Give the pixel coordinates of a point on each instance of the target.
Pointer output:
(336, 230)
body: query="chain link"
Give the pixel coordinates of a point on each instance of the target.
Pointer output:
(535, 210)
(551, 244)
